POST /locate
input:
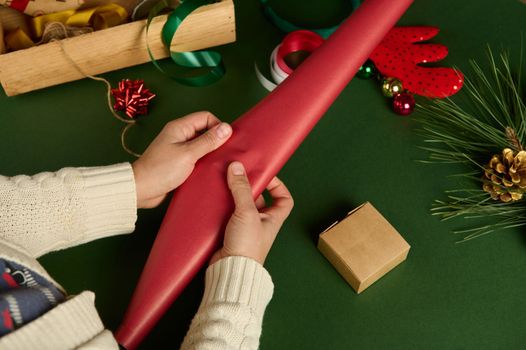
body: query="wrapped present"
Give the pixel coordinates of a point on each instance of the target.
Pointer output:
(42, 7)
(114, 48)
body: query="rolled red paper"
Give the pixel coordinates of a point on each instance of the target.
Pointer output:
(263, 139)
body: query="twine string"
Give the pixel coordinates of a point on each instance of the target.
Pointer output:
(58, 32)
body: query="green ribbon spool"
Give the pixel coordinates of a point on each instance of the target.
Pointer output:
(192, 62)
(288, 27)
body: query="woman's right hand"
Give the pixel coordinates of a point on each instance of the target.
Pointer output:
(253, 226)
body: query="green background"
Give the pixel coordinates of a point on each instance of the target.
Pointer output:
(445, 296)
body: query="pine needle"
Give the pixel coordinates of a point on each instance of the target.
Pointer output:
(490, 117)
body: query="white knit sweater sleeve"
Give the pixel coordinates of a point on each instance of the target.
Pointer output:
(53, 211)
(237, 291)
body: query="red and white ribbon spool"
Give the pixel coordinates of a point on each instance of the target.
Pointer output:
(302, 42)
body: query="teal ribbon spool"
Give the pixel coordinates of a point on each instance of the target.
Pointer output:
(287, 27)
(192, 62)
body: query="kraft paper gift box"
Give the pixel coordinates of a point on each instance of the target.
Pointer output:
(113, 48)
(363, 247)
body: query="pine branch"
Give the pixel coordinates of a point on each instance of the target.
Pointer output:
(489, 116)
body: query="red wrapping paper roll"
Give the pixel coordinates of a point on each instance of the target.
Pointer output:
(263, 139)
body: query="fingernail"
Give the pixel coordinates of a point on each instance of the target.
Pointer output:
(237, 168)
(223, 130)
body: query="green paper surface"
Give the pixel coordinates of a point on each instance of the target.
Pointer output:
(444, 296)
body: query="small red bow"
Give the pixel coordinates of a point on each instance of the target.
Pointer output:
(132, 97)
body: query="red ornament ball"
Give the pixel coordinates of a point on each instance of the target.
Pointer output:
(403, 103)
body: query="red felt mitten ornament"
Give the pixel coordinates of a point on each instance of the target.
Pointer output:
(399, 55)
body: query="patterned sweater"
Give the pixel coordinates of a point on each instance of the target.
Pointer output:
(53, 211)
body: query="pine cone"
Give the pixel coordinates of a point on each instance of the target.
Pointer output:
(505, 176)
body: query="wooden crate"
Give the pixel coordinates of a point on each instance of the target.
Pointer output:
(114, 48)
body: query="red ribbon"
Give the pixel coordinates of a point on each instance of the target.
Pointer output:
(19, 5)
(299, 40)
(304, 41)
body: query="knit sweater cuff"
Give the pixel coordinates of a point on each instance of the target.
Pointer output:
(239, 280)
(110, 200)
(66, 326)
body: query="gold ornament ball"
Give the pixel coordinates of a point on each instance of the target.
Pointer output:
(391, 87)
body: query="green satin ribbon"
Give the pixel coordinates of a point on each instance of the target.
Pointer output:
(192, 62)
(288, 27)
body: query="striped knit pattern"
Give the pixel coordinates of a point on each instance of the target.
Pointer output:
(24, 296)
(73, 324)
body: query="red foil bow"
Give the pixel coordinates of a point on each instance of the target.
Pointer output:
(132, 97)
(263, 139)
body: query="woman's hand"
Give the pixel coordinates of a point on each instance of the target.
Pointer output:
(171, 157)
(253, 226)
